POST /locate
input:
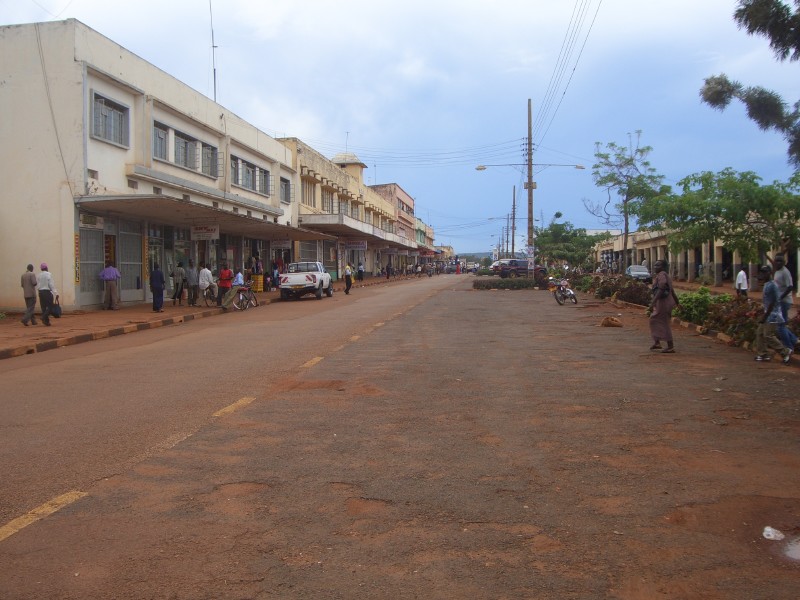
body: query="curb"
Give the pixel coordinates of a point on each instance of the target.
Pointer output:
(36, 347)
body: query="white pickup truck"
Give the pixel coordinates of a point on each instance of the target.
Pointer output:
(303, 278)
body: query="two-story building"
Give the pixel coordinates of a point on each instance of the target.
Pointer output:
(106, 157)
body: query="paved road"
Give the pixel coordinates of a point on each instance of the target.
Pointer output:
(423, 441)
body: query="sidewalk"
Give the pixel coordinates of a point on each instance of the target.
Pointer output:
(76, 327)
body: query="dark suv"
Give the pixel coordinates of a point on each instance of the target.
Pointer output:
(516, 267)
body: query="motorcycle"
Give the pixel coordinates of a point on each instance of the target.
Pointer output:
(561, 290)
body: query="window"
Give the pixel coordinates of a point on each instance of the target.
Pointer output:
(327, 201)
(234, 170)
(308, 193)
(185, 151)
(248, 175)
(210, 160)
(263, 181)
(354, 211)
(286, 191)
(160, 133)
(110, 120)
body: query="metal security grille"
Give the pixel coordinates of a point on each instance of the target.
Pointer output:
(329, 255)
(92, 252)
(308, 251)
(130, 255)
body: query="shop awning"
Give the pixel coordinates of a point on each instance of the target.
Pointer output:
(186, 213)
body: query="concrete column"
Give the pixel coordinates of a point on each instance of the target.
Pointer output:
(692, 255)
(681, 264)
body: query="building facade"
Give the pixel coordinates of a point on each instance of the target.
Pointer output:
(109, 158)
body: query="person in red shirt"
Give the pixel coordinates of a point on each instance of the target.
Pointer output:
(224, 283)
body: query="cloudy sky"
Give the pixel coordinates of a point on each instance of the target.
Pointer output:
(423, 91)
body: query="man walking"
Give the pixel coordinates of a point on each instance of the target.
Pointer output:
(157, 284)
(29, 292)
(192, 283)
(741, 283)
(766, 333)
(783, 279)
(111, 276)
(47, 292)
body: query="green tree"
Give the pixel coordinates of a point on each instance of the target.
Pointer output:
(776, 21)
(628, 180)
(563, 242)
(728, 206)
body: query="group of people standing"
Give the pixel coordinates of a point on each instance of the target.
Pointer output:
(772, 332)
(43, 286)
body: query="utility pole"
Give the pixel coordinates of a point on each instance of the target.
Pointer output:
(529, 186)
(513, 219)
(508, 230)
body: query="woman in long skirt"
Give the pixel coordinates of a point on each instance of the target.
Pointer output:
(664, 301)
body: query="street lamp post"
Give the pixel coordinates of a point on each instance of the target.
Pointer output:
(530, 185)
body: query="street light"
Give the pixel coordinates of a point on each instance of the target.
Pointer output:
(530, 185)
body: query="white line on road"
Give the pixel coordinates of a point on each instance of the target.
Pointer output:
(40, 512)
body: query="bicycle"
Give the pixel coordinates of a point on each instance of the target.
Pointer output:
(209, 297)
(245, 297)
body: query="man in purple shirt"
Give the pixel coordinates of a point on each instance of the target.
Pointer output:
(111, 276)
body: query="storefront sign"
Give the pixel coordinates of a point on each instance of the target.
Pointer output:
(389, 251)
(77, 258)
(356, 245)
(91, 222)
(281, 244)
(205, 232)
(402, 252)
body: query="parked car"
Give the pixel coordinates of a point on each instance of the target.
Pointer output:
(639, 272)
(516, 267)
(305, 278)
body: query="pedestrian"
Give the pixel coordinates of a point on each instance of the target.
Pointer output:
(360, 271)
(236, 285)
(29, 293)
(276, 276)
(388, 270)
(192, 283)
(205, 280)
(157, 285)
(741, 283)
(664, 301)
(783, 279)
(224, 283)
(47, 292)
(348, 278)
(111, 277)
(178, 282)
(767, 331)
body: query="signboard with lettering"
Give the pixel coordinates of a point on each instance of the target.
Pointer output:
(205, 232)
(355, 245)
(281, 244)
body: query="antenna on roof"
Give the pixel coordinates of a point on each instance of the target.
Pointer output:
(213, 50)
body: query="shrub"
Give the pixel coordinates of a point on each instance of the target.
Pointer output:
(507, 283)
(734, 317)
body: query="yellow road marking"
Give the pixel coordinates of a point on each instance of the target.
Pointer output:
(236, 405)
(40, 512)
(312, 362)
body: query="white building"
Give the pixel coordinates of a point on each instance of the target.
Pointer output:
(106, 157)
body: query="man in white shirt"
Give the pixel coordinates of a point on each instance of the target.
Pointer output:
(205, 280)
(47, 292)
(741, 283)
